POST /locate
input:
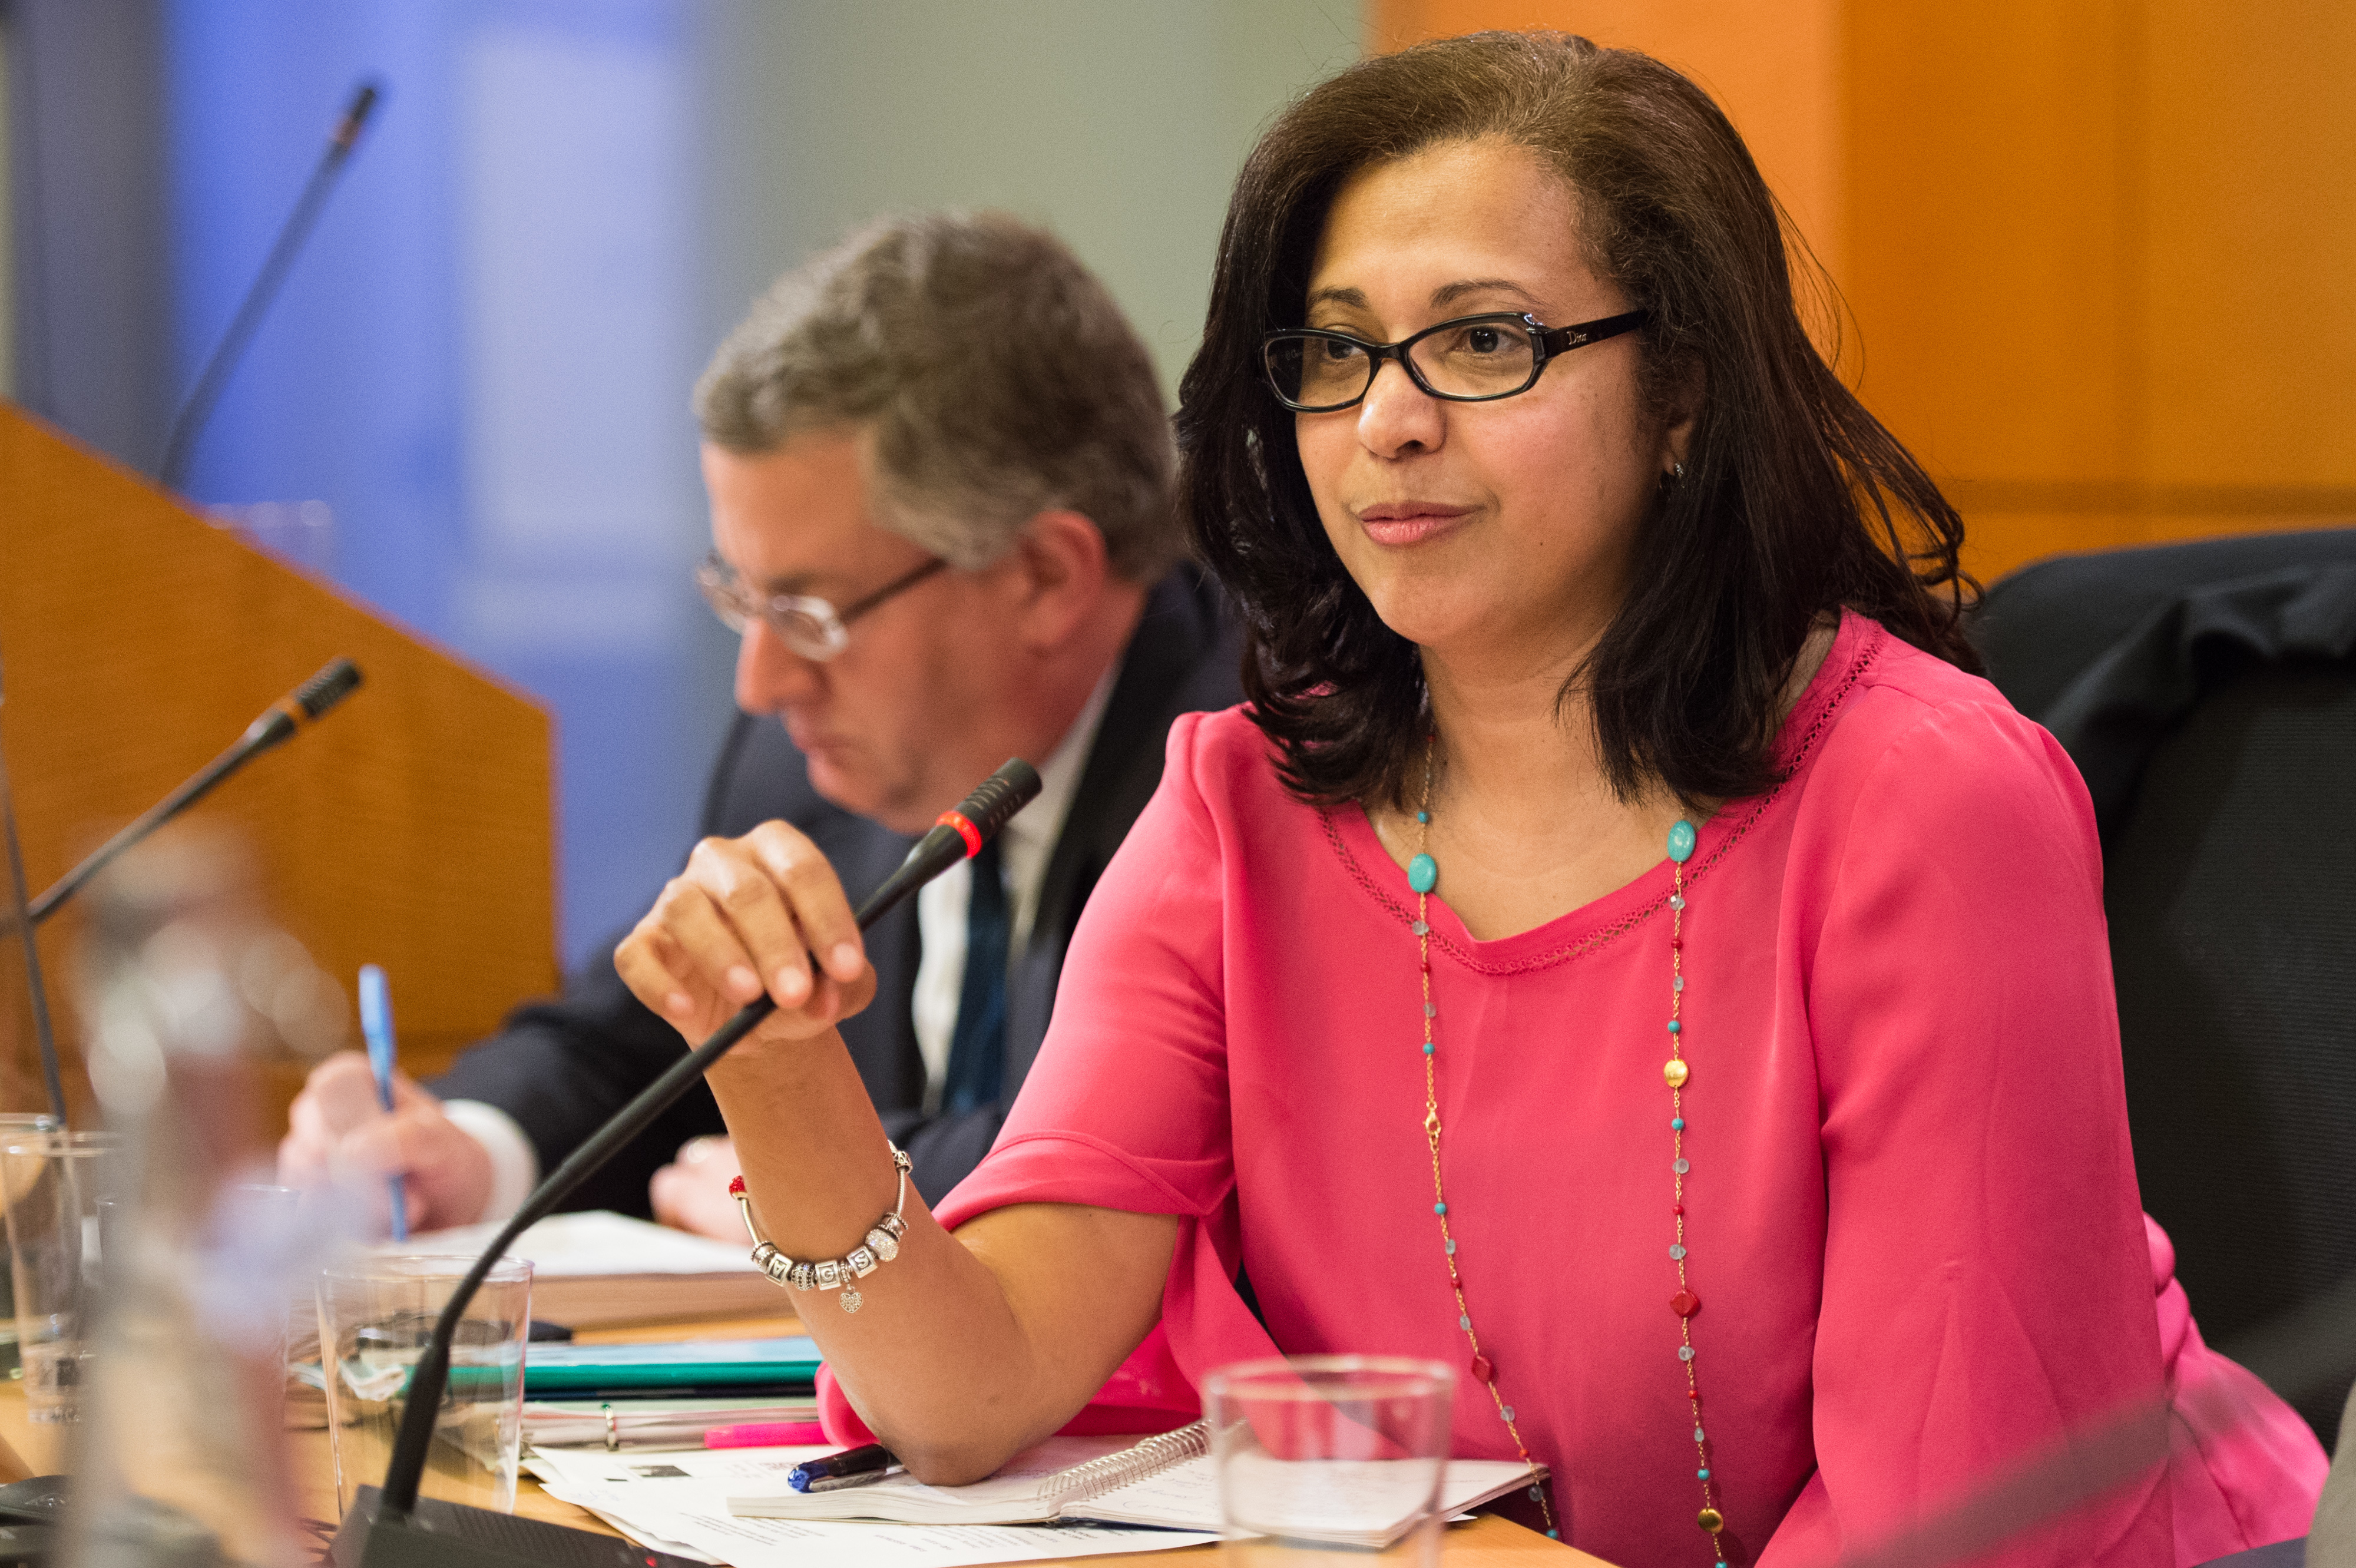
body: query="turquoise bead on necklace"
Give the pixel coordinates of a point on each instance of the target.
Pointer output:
(1423, 875)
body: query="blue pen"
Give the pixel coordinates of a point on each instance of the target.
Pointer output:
(858, 1466)
(376, 1025)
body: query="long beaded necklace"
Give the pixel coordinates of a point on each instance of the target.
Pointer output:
(1423, 875)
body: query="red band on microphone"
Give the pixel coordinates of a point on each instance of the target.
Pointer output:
(965, 831)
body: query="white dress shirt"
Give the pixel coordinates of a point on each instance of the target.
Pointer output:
(1024, 847)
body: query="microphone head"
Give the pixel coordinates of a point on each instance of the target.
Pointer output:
(347, 129)
(973, 823)
(997, 798)
(329, 687)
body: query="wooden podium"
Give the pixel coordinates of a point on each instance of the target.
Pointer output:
(411, 828)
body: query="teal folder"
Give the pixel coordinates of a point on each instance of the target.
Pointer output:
(708, 1369)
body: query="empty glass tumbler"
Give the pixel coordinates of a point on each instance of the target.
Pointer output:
(64, 1198)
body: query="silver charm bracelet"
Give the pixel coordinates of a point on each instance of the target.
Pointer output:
(882, 1245)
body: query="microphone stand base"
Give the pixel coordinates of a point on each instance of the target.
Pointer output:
(452, 1535)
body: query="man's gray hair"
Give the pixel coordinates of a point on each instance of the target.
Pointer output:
(997, 377)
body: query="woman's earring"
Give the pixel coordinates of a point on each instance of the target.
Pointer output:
(1677, 472)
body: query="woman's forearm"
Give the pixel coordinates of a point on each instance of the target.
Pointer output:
(964, 1348)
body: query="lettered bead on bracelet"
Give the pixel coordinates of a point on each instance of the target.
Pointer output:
(881, 1244)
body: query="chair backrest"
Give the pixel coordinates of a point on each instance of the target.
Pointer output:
(2209, 694)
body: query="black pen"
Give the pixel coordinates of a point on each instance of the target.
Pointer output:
(866, 1463)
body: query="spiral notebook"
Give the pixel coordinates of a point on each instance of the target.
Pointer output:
(1165, 1481)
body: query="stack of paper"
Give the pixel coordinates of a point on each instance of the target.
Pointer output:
(598, 1267)
(677, 1502)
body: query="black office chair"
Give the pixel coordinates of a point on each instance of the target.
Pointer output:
(2208, 694)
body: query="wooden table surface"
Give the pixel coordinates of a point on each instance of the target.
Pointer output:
(1485, 1542)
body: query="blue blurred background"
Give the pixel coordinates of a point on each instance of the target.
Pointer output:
(474, 386)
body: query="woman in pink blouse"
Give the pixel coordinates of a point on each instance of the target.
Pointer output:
(1620, 949)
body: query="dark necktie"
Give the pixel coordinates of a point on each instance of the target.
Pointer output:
(977, 1047)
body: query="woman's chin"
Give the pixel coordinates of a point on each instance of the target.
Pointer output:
(1443, 621)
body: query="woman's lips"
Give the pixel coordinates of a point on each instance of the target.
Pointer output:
(1409, 523)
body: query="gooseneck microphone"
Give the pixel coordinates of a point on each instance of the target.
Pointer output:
(277, 725)
(389, 1528)
(190, 420)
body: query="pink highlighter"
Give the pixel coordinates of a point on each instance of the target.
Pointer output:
(764, 1435)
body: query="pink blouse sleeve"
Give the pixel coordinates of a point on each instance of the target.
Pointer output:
(1985, 1277)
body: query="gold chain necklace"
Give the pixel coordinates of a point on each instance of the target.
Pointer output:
(1422, 876)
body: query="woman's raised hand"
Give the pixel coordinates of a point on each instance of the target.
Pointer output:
(764, 912)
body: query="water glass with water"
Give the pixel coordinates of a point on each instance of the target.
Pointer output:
(1325, 1457)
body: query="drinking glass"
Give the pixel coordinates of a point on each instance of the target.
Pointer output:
(63, 1193)
(1321, 1457)
(14, 1125)
(375, 1316)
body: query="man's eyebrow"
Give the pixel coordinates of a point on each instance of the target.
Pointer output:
(785, 583)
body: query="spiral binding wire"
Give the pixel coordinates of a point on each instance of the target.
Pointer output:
(1113, 1471)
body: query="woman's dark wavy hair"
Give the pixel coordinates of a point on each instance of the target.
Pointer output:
(1794, 501)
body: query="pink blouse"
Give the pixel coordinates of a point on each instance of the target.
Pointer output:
(1912, 1208)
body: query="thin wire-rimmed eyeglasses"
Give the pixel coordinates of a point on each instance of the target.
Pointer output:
(811, 627)
(1472, 359)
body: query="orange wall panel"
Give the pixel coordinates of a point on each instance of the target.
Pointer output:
(1986, 254)
(2247, 175)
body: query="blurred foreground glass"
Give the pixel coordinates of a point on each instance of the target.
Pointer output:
(63, 1195)
(180, 1454)
(375, 1316)
(1323, 1457)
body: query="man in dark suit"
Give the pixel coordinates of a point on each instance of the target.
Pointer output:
(939, 473)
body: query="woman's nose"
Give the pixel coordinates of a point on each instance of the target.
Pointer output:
(1397, 415)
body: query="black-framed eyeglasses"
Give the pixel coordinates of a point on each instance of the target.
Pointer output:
(1472, 359)
(811, 627)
